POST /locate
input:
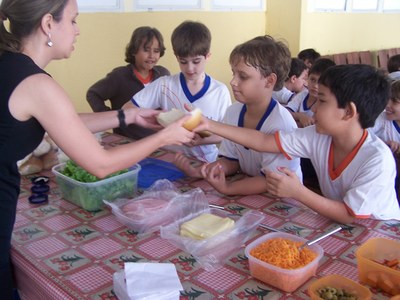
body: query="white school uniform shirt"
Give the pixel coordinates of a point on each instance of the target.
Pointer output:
(365, 179)
(299, 103)
(386, 129)
(251, 162)
(169, 92)
(283, 96)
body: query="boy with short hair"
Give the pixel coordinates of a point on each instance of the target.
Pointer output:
(309, 56)
(393, 66)
(355, 168)
(294, 83)
(301, 104)
(387, 126)
(259, 66)
(191, 43)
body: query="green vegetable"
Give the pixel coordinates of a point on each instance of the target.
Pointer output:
(90, 193)
(77, 173)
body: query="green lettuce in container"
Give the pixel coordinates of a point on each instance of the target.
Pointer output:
(87, 191)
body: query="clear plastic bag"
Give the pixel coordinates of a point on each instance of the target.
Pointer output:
(161, 204)
(212, 252)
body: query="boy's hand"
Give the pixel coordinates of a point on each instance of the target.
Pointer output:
(215, 175)
(305, 120)
(283, 183)
(394, 146)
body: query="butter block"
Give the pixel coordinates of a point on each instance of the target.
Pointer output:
(205, 226)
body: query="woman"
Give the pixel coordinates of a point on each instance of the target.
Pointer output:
(32, 103)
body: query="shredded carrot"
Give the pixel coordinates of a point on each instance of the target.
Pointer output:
(283, 253)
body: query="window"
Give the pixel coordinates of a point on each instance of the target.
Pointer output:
(391, 5)
(364, 5)
(238, 5)
(354, 5)
(328, 5)
(150, 5)
(100, 5)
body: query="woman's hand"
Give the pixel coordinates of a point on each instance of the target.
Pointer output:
(175, 133)
(143, 117)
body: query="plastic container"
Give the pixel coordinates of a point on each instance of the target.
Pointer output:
(90, 195)
(339, 282)
(212, 252)
(287, 280)
(371, 271)
(160, 205)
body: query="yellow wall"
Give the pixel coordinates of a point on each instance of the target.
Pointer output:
(104, 36)
(101, 45)
(282, 19)
(344, 32)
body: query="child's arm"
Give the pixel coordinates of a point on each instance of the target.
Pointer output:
(250, 138)
(246, 186)
(286, 184)
(198, 140)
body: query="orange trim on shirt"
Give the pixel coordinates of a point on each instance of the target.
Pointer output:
(278, 143)
(335, 173)
(351, 212)
(146, 80)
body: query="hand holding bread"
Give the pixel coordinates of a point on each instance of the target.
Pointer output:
(166, 118)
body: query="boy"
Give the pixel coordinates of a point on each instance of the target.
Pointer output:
(393, 67)
(309, 56)
(142, 53)
(294, 83)
(355, 168)
(259, 66)
(387, 126)
(301, 104)
(192, 86)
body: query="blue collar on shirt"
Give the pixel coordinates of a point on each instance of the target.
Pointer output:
(396, 126)
(305, 108)
(200, 94)
(270, 107)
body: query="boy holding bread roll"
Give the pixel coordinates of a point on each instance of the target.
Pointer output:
(260, 66)
(191, 43)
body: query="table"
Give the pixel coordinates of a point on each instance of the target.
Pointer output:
(60, 251)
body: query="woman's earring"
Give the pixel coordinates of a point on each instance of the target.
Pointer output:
(49, 41)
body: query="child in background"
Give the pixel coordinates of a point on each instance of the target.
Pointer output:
(301, 104)
(309, 56)
(387, 126)
(142, 54)
(191, 43)
(393, 67)
(294, 83)
(259, 66)
(355, 168)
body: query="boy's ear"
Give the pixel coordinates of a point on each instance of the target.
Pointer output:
(208, 55)
(270, 80)
(350, 110)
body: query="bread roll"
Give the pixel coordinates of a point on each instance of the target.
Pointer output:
(166, 118)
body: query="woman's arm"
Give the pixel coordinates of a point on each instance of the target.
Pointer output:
(50, 105)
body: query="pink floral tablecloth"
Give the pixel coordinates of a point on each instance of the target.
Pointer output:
(60, 251)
